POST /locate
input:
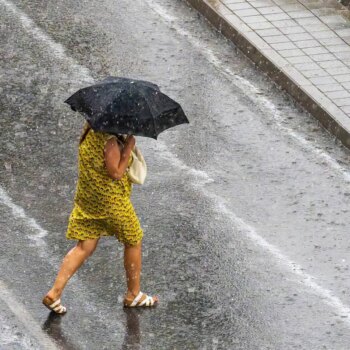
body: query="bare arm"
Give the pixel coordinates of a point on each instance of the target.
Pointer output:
(116, 160)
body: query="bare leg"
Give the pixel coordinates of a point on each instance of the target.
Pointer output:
(70, 264)
(132, 265)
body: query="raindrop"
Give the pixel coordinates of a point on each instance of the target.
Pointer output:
(8, 166)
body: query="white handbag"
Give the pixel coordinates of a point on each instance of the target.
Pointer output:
(138, 169)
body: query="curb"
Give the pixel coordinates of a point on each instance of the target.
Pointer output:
(337, 125)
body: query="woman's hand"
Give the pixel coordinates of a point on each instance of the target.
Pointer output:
(130, 141)
(116, 159)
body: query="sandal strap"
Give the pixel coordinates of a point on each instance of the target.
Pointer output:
(59, 309)
(55, 306)
(56, 303)
(137, 299)
(148, 301)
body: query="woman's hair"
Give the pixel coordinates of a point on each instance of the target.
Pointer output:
(86, 130)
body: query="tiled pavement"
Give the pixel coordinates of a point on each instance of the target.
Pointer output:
(303, 44)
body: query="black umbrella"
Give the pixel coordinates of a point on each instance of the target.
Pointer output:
(126, 106)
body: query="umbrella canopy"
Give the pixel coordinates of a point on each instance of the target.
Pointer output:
(125, 106)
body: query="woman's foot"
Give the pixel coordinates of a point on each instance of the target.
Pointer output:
(54, 305)
(140, 300)
(53, 294)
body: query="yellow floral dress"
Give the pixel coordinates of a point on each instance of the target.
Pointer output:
(102, 206)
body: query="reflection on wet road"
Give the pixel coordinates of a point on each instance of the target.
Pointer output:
(245, 211)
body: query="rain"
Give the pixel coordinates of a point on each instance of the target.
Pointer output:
(245, 209)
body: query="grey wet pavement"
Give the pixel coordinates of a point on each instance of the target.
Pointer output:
(245, 210)
(304, 45)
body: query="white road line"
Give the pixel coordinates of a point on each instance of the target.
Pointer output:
(325, 295)
(255, 93)
(19, 213)
(306, 279)
(56, 49)
(26, 319)
(199, 182)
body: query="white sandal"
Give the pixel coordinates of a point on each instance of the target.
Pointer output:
(54, 305)
(148, 301)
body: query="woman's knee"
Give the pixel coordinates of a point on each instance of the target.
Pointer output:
(132, 243)
(88, 246)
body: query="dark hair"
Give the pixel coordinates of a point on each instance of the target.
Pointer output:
(86, 130)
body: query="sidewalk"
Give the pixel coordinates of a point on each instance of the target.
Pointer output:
(303, 45)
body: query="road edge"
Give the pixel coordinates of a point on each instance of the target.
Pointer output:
(330, 121)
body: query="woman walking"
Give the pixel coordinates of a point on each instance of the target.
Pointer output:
(102, 207)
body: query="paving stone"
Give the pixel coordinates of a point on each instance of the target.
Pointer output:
(309, 21)
(311, 28)
(330, 4)
(332, 19)
(329, 87)
(300, 14)
(283, 46)
(343, 32)
(291, 53)
(262, 3)
(346, 109)
(326, 81)
(292, 29)
(299, 59)
(334, 71)
(292, 7)
(346, 39)
(342, 55)
(325, 34)
(277, 17)
(346, 86)
(319, 12)
(307, 66)
(342, 102)
(314, 73)
(339, 94)
(239, 6)
(303, 44)
(226, 2)
(332, 64)
(261, 25)
(331, 41)
(315, 50)
(254, 19)
(339, 48)
(337, 26)
(342, 78)
(300, 37)
(269, 32)
(275, 39)
(280, 2)
(285, 24)
(323, 57)
(246, 12)
(270, 10)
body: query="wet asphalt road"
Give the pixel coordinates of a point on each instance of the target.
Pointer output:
(245, 210)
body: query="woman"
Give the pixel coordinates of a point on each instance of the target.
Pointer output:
(102, 207)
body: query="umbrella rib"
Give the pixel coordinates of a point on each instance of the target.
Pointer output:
(154, 124)
(150, 109)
